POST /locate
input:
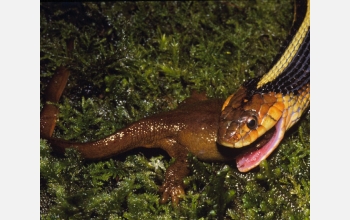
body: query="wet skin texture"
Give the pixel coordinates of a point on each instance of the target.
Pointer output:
(191, 128)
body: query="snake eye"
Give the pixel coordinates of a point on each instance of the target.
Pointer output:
(252, 122)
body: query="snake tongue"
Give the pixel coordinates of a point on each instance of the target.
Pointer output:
(253, 157)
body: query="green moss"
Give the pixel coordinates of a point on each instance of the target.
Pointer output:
(134, 59)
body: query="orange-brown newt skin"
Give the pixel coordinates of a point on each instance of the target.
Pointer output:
(53, 92)
(191, 128)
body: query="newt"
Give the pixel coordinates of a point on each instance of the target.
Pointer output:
(191, 128)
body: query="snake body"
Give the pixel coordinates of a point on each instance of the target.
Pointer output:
(264, 108)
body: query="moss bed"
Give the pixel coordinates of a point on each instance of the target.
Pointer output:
(135, 59)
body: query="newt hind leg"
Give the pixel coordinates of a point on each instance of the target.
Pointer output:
(53, 92)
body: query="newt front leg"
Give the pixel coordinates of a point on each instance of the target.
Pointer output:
(173, 185)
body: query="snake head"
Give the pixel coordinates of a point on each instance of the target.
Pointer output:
(237, 127)
(249, 121)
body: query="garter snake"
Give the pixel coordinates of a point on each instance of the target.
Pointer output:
(264, 108)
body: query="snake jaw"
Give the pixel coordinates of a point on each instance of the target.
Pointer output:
(231, 139)
(252, 158)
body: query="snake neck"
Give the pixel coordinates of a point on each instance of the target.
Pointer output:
(290, 71)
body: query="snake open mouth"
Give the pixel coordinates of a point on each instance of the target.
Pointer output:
(260, 149)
